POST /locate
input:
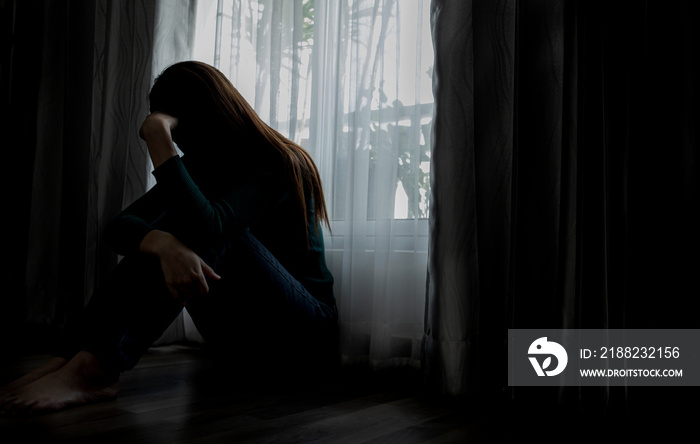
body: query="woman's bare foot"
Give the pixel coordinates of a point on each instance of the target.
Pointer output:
(80, 381)
(49, 367)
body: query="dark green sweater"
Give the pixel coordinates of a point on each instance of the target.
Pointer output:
(204, 206)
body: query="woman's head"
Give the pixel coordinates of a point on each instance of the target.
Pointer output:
(205, 102)
(215, 120)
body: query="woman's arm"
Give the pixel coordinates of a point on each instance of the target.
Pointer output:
(124, 232)
(185, 273)
(194, 216)
(156, 130)
(222, 212)
(134, 230)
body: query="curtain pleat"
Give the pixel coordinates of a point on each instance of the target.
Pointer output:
(452, 223)
(89, 162)
(44, 234)
(119, 165)
(564, 174)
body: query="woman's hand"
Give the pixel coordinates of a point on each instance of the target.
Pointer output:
(185, 273)
(156, 130)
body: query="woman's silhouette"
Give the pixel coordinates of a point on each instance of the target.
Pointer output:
(231, 230)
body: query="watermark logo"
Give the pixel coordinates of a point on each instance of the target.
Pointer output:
(543, 347)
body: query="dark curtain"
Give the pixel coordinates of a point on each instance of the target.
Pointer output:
(75, 76)
(564, 180)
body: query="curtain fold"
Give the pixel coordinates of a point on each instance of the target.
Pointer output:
(374, 164)
(88, 162)
(564, 181)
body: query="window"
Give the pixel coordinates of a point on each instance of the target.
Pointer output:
(372, 87)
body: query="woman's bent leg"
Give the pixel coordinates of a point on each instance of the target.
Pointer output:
(122, 319)
(125, 316)
(263, 319)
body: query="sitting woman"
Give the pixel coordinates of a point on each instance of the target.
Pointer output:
(231, 231)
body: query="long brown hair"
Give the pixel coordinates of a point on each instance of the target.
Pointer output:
(201, 96)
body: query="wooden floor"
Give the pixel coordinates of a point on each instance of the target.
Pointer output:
(173, 397)
(178, 394)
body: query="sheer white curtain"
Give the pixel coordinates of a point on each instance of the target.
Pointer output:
(349, 80)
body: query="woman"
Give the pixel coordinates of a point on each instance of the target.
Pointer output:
(231, 230)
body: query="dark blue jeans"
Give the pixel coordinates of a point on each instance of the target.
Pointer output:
(257, 317)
